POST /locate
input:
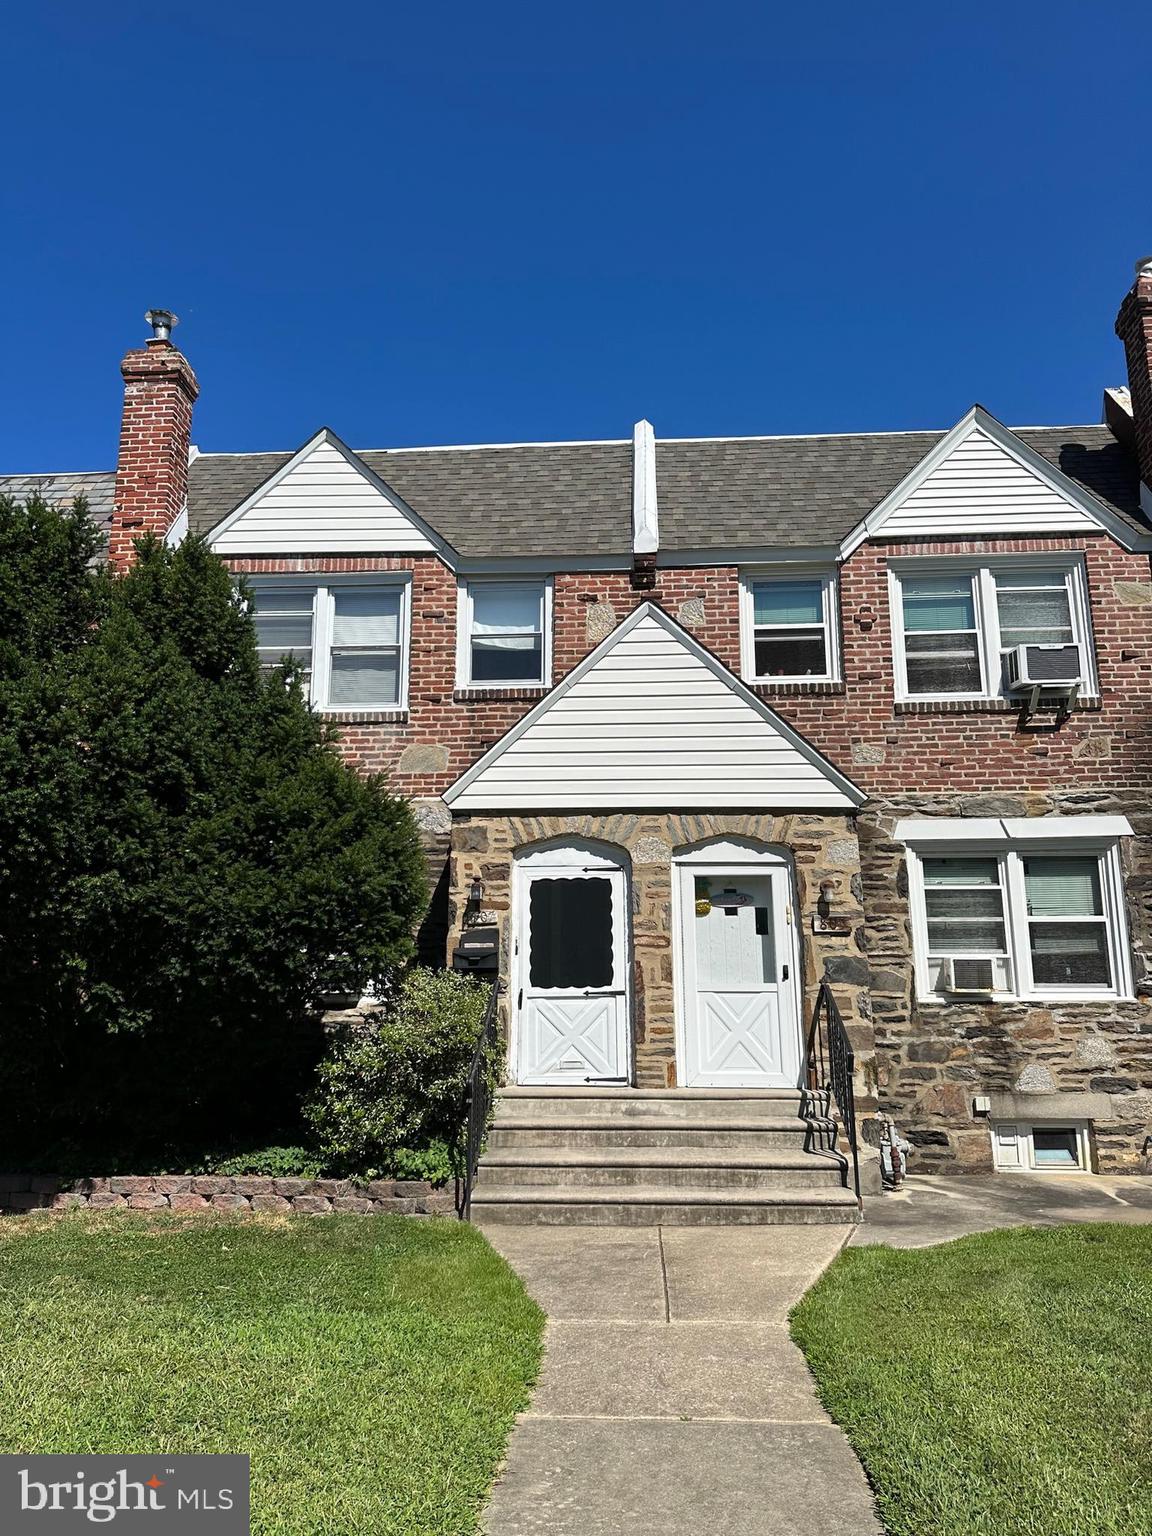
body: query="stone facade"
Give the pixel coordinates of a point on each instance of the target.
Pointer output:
(246, 1194)
(1090, 1061)
(825, 856)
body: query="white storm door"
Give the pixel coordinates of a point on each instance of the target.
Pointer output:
(741, 1028)
(572, 994)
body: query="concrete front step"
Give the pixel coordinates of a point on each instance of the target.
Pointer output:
(663, 1167)
(688, 1104)
(647, 1205)
(644, 1131)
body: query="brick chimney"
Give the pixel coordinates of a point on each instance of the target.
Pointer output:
(1134, 328)
(155, 434)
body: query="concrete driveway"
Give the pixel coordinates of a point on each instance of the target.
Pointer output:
(935, 1210)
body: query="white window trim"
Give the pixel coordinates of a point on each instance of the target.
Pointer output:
(1011, 856)
(323, 608)
(985, 568)
(1023, 1132)
(831, 619)
(464, 590)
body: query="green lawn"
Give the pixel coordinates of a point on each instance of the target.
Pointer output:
(371, 1366)
(996, 1386)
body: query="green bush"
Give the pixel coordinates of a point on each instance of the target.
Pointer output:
(399, 1083)
(435, 1163)
(187, 866)
(274, 1162)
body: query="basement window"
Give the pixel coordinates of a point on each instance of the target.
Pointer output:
(1041, 1146)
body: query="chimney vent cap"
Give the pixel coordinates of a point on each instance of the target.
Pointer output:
(1144, 266)
(162, 321)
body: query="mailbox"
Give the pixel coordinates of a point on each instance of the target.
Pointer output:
(478, 952)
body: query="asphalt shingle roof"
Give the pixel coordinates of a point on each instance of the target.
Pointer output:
(571, 499)
(96, 486)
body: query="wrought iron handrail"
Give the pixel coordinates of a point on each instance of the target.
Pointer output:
(831, 1067)
(476, 1105)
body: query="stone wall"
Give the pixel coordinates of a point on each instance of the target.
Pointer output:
(825, 853)
(1089, 1061)
(247, 1194)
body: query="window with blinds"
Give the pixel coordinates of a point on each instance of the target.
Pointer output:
(1050, 922)
(505, 633)
(348, 638)
(789, 627)
(953, 627)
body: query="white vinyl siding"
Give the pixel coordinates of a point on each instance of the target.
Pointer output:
(650, 721)
(954, 620)
(1050, 917)
(980, 489)
(788, 626)
(350, 635)
(503, 634)
(321, 504)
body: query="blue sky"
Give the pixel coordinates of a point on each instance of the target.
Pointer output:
(449, 223)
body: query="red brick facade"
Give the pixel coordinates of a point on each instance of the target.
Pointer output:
(160, 390)
(885, 746)
(1134, 328)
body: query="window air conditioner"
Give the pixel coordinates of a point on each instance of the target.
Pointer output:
(1054, 667)
(967, 978)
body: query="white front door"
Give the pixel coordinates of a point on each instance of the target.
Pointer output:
(740, 1023)
(571, 968)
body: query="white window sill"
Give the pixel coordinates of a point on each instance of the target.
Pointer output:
(383, 714)
(988, 999)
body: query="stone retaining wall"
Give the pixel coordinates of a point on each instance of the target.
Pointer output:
(202, 1192)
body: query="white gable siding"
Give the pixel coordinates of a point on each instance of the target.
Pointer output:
(650, 725)
(321, 505)
(979, 488)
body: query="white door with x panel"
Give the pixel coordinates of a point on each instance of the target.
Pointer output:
(738, 978)
(571, 1004)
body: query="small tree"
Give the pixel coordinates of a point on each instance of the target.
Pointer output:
(186, 864)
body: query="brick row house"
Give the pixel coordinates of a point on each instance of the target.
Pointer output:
(693, 725)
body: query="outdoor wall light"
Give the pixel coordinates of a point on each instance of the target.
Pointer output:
(824, 920)
(476, 892)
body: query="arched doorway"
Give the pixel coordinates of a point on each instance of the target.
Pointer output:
(738, 967)
(570, 965)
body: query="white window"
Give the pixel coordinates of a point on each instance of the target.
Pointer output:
(1047, 1146)
(1050, 922)
(503, 634)
(349, 636)
(788, 627)
(953, 623)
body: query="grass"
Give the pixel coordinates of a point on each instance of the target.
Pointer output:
(1000, 1385)
(370, 1366)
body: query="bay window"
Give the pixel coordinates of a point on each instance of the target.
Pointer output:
(349, 636)
(503, 634)
(953, 622)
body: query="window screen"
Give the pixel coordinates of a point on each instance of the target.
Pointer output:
(507, 639)
(283, 617)
(941, 638)
(1068, 931)
(964, 904)
(365, 646)
(789, 629)
(570, 933)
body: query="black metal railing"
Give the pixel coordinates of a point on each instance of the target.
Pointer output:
(476, 1105)
(831, 1067)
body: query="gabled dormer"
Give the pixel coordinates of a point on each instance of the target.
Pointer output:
(325, 500)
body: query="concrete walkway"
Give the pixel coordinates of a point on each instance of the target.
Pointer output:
(672, 1401)
(934, 1210)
